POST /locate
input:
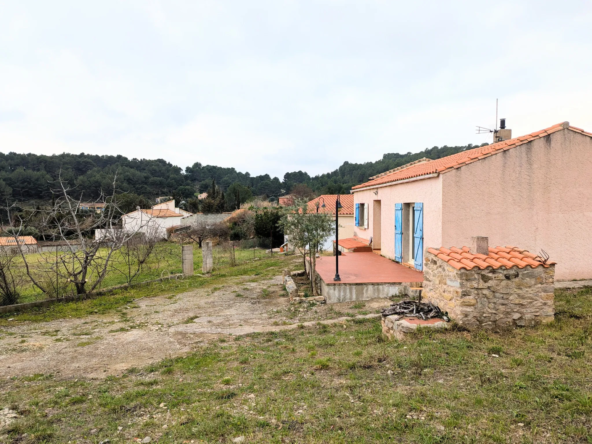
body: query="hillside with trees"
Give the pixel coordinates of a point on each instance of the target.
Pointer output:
(30, 178)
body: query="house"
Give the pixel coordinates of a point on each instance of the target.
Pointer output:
(153, 222)
(28, 244)
(286, 201)
(346, 214)
(170, 205)
(97, 207)
(534, 191)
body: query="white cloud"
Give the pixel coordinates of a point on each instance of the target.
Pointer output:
(271, 87)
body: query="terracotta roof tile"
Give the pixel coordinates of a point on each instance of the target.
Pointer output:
(508, 257)
(161, 213)
(347, 202)
(458, 160)
(11, 241)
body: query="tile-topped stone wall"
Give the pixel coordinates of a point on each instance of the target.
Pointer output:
(490, 298)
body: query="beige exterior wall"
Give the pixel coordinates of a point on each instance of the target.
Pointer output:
(535, 196)
(346, 229)
(427, 191)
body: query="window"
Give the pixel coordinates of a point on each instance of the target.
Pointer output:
(361, 216)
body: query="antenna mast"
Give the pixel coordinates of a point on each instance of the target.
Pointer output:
(482, 130)
(495, 126)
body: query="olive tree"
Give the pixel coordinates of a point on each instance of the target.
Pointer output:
(307, 232)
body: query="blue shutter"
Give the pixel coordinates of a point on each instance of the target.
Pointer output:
(399, 232)
(418, 235)
(357, 215)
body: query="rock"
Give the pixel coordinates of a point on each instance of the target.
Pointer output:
(239, 439)
(107, 441)
(146, 440)
(7, 416)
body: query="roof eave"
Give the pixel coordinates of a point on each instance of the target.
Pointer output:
(396, 182)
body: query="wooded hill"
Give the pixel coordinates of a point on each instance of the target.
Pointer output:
(30, 177)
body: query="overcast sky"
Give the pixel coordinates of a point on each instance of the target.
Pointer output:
(276, 86)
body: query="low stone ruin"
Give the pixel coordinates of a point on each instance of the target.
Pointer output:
(292, 288)
(490, 288)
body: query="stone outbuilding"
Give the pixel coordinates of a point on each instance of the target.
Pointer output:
(490, 287)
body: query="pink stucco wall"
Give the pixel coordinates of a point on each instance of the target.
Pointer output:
(535, 196)
(427, 191)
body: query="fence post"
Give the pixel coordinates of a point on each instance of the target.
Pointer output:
(208, 259)
(187, 259)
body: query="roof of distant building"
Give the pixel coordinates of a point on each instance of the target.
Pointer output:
(347, 202)
(22, 240)
(424, 168)
(161, 213)
(498, 257)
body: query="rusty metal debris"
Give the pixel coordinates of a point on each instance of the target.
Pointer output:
(543, 257)
(416, 309)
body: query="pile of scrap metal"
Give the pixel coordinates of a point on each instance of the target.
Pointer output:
(415, 309)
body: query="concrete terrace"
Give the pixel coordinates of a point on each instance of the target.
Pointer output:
(364, 276)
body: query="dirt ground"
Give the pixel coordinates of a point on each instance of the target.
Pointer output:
(152, 329)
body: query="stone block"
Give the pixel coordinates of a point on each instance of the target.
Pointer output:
(187, 260)
(207, 257)
(468, 302)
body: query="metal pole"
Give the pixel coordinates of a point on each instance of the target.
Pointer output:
(57, 276)
(337, 278)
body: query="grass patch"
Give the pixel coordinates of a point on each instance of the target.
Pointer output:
(336, 383)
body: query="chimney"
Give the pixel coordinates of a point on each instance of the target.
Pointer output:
(480, 245)
(502, 133)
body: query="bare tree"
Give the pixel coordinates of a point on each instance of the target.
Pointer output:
(10, 279)
(201, 231)
(135, 252)
(84, 259)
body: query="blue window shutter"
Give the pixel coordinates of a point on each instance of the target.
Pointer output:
(399, 232)
(357, 215)
(418, 235)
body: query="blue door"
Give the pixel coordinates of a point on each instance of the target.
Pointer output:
(399, 232)
(418, 236)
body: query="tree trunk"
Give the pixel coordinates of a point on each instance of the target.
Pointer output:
(313, 267)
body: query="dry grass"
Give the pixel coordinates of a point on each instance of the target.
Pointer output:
(339, 383)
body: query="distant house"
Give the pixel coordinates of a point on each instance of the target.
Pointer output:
(202, 196)
(93, 206)
(286, 201)
(170, 205)
(346, 214)
(153, 222)
(534, 191)
(27, 243)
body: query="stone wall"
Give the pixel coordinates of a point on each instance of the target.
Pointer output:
(490, 298)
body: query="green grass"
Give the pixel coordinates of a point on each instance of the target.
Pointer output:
(165, 261)
(331, 383)
(264, 268)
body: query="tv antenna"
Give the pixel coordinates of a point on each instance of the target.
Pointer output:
(483, 130)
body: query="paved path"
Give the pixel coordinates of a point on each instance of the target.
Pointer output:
(573, 284)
